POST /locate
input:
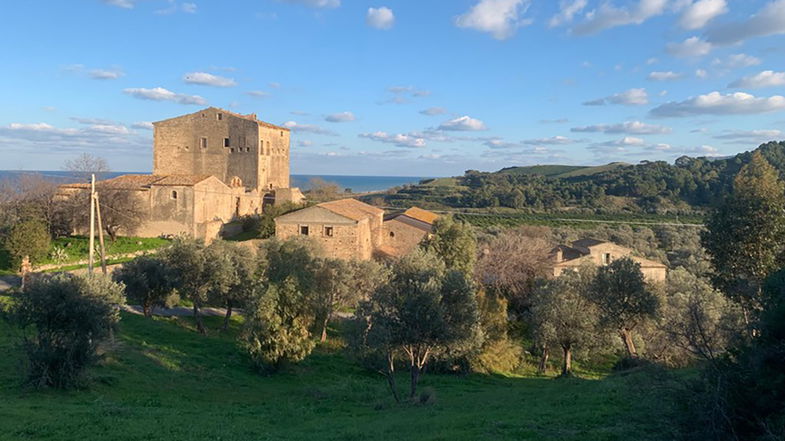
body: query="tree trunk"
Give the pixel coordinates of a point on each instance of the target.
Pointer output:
(543, 360)
(390, 374)
(228, 316)
(415, 378)
(324, 328)
(566, 369)
(626, 336)
(198, 317)
(147, 310)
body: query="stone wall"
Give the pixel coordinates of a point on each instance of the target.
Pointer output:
(401, 238)
(343, 244)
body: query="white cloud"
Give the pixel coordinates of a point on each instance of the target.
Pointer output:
(208, 79)
(308, 128)
(689, 48)
(701, 12)
(380, 18)
(105, 74)
(98, 138)
(609, 16)
(125, 4)
(567, 11)
(399, 140)
(305, 143)
(745, 136)
(554, 140)
(631, 97)
(701, 73)
(500, 18)
(142, 125)
(665, 76)
(340, 117)
(498, 143)
(401, 94)
(433, 111)
(736, 61)
(463, 123)
(767, 78)
(161, 94)
(189, 8)
(770, 20)
(627, 127)
(715, 103)
(319, 4)
(258, 93)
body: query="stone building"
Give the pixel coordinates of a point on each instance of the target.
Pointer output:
(405, 231)
(350, 229)
(601, 253)
(209, 168)
(238, 149)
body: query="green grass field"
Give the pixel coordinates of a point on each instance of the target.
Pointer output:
(162, 381)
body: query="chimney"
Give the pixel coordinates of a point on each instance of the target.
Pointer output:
(559, 255)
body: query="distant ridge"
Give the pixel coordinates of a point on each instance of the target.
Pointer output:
(561, 171)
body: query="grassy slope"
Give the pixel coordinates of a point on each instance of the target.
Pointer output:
(164, 382)
(588, 171)
(544, 170)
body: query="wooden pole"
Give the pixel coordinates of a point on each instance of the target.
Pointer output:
(91, 245)
(100, 234)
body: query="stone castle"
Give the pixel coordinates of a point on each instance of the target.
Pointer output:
(209, 168)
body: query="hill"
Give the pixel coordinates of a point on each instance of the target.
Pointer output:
(688, 187)
(162, 381)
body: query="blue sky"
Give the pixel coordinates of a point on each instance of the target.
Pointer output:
(397, 87)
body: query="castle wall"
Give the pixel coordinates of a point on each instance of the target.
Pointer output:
(274, 159)
(401, 238)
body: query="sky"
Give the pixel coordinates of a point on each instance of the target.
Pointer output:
(397, 87)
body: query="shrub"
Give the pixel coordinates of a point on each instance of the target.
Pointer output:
(276, 330)
(28, 238)
(65, 319)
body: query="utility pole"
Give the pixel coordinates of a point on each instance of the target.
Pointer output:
(91, 251)
(100, 234)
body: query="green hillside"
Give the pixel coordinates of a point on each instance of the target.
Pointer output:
(543, 170)
(589, 171)
(162, 381)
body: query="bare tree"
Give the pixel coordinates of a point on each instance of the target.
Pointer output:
(85, 165)
(120, 210)
(321, 190)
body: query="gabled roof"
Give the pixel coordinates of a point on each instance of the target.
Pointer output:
(421, 215)
(352, 209)
(587, 243)
(143, 181)
(249, 117)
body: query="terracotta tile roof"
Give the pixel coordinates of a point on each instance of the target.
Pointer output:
(587, 243)
(421, 215)
(143, 181)
(352, 208)
(181, 180)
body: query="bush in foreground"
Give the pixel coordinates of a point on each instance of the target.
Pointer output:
(65, 319)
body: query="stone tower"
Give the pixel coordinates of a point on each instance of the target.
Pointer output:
(238, 149)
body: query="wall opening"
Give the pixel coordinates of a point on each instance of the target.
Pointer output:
(304, 230)
(174, 194)
(227, 142)
(328, 231)
(220, 116)
(606, 258)
(203, 143)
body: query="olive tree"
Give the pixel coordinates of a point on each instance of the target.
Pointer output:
(233, 276)
(277, 323)
(454, 243)
(186, 260)
(623, 298)
(563, 316)
(27, 238)
(149, 282)
(64, 319)
(420, 312)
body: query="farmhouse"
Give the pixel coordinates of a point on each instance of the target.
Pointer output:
(209, 168)
(350, 229)
(597, 252)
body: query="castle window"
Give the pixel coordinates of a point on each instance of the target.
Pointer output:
(303, 230)
(606, 258)
(231, 150)
(227, 143)
(174, 195)
(203, 143)
(220, 116)
(392, 234)
(328, 231)
(247, 149)
(281, 132)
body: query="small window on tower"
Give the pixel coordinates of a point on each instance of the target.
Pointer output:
(328, 231)
(281, 132)
(220, 116)
(203, 143)
(227, 143)
(231, 150)
(303, 230)
(174, 195)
